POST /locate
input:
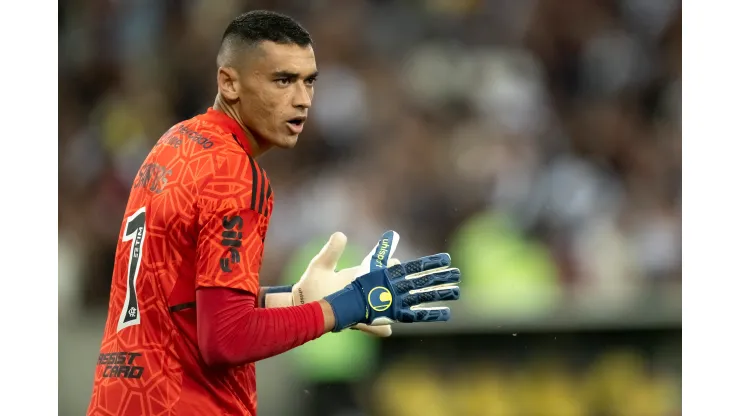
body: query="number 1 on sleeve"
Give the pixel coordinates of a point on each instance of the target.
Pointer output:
(135, 232)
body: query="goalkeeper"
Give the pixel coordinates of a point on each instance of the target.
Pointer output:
(187, 317)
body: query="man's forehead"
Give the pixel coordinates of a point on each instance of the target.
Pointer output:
(276, 57)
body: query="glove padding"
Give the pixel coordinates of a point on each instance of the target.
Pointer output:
(321, 278)
(385, 295)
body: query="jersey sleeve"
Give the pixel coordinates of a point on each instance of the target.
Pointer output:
(232, 225)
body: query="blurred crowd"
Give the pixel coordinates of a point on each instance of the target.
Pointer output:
(547, 131)
(538, 141)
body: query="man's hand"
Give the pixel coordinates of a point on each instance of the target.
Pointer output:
(394, 294)
(351, 274)
(321, 278)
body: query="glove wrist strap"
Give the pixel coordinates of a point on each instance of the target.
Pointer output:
(348, 306)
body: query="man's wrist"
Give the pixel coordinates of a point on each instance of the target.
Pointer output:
(276, 296)
(330, 319)
(348, 306)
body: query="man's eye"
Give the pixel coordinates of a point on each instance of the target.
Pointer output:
(283, 81)
(310, 81)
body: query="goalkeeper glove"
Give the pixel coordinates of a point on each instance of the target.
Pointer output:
(321, 278)
(387, 295)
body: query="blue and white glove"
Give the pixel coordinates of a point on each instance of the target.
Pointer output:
(395, 294)
(321, 277)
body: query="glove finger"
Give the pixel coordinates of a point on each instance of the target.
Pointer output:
(421, 281)
(380, 255)
(382, 331)
(431, 294)
(332, 251)
(419, 266)
(437, 314)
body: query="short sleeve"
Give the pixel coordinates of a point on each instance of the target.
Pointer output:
(232, 228)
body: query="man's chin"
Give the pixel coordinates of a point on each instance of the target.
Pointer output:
(287, 142)
(280, 142)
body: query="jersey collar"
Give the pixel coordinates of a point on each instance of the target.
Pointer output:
(230, 125)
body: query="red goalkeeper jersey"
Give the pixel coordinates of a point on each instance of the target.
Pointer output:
(197, 217)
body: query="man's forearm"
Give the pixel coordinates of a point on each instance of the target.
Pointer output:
(275, 296)
(232, 331)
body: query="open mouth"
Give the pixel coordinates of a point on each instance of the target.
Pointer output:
(296, 124)
(298, 121)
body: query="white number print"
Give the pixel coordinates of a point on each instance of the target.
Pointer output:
(135, 232)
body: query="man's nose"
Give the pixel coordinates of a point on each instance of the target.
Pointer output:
(302, 97)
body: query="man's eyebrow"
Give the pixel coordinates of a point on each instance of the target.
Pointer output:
(284, 74)
(292, 75)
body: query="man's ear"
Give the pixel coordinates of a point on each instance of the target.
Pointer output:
(228, 83)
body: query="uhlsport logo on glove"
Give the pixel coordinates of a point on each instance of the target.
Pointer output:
(379, 298)
(381, 254)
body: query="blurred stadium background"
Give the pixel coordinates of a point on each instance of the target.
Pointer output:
(538, 141)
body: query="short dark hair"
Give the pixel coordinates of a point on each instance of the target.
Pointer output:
(251, 28)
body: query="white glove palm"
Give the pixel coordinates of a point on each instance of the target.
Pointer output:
(321, 278)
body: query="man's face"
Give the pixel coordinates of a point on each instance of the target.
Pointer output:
(276, 90)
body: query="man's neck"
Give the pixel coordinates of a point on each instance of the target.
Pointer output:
(222, 106)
